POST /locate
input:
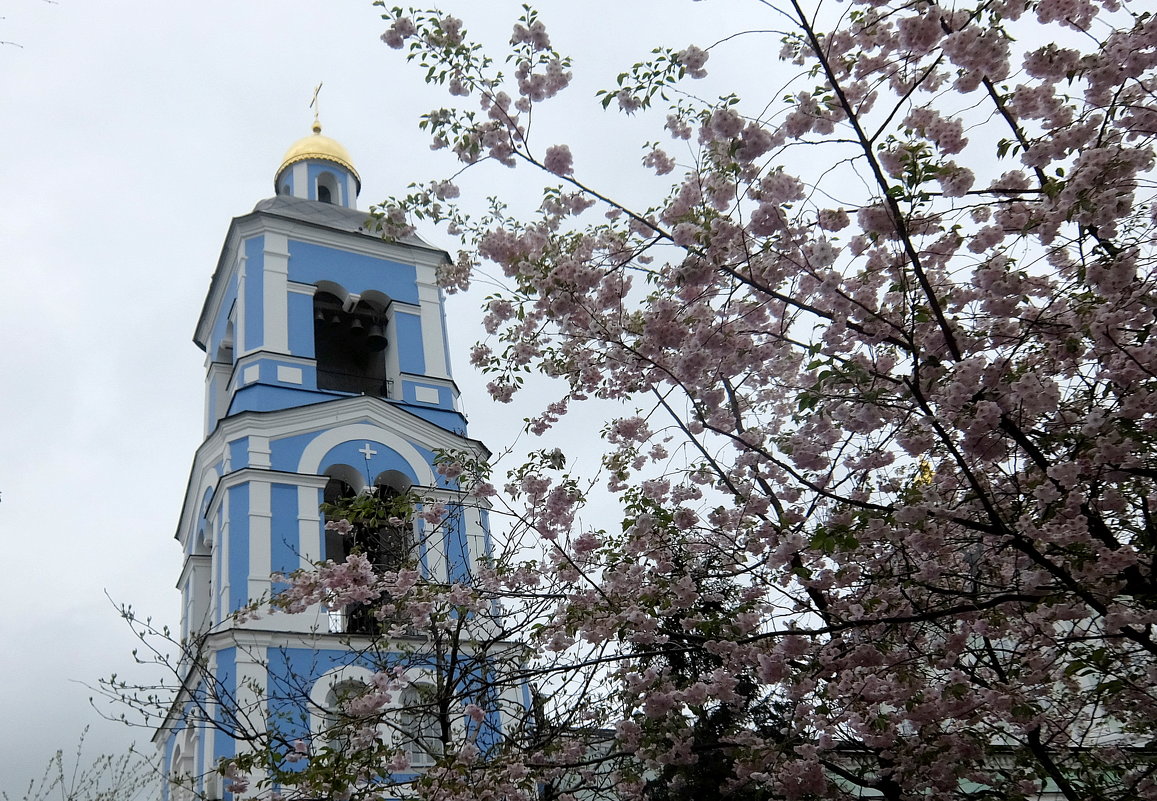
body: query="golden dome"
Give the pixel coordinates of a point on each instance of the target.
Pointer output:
(319, 147)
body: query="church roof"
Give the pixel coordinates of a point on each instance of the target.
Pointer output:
(329, 215)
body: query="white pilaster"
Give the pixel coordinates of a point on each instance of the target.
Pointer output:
(252, 671)
(275, 299)
(260, 535)
(221, 554)
(433, 337)
(308, 525)
(301, 180)
(258, 451)
(242, 267)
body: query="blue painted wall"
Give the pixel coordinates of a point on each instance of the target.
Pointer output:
(265, 398)
(411, 358)
(301, 325)
(285, 453)
(239, 453)
(385, 459)
(451, 421)
(309, 263)
(285, 539)
(341, 175)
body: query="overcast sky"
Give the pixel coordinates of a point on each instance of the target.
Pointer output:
(131, 131)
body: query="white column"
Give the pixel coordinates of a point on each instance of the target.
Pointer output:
(308, 526)
(433, 337)
(275, 297)
(301, 180)
(252, 671)
(221, 555)
(239, 348)
(260, 534)
(208, 769)
(258, 451)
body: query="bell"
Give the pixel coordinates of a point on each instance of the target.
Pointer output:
(357, 327)
(335, 319)
(377, 338)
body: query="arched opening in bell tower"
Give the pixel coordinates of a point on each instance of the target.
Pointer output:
(328, 190)
(349, 345)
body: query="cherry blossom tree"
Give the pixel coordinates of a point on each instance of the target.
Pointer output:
(882, 342)
(888, 494)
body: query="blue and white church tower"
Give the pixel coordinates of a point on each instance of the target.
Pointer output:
(327, 373)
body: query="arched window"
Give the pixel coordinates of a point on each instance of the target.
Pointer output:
(328, 190)
(349, 345)
(395, 479)
(381, 529)
(181, 769)
(338, 708)
(336, 546)
(338, 723)
(419, 728)
(382, 526)
(390, 546)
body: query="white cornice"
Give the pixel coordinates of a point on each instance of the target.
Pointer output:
(192, 561)
(247, 638)
(247, 474)
(315, 417)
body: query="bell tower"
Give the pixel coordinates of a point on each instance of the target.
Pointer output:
(327, 375)
(308, 305)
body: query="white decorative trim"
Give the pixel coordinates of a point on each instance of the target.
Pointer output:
(308, 525)
(301, 289)
(301, 180)
(221, 602)
(326, 441)
(427, 395)
(275, 298)
(251, 698)
(217, 378)
(319, 692)
(260, 536)
(258, 451)
(424, 257)
(289, 375)
(210, 733)
(380, 415)
(239, 302)
(475, 537)
(250, 374)
(204, 482)
(433, 335)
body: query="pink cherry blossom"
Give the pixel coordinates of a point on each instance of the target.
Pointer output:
(559, 160)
